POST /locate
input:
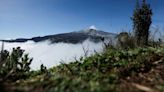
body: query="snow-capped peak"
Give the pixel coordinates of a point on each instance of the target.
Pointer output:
(92, 27)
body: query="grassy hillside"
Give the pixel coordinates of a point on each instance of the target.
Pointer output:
(133, 70)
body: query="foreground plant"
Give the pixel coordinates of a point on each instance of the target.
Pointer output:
(112, 70)
(14, 65)
(141, 22)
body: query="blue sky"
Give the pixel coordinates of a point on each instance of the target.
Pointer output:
(29, 18)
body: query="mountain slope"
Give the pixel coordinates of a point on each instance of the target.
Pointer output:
(72, 37)
(114, 70)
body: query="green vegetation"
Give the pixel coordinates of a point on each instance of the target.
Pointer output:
(127, 69)
(141, 22)
(113, 70)
(14, 65)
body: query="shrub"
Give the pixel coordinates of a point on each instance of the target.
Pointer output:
(125, 40)
(14, 65)
(141, 22)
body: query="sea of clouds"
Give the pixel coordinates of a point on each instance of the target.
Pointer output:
(53, 54)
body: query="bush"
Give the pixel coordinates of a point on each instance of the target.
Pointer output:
(125, 41)
(14, 65)
(141, 22)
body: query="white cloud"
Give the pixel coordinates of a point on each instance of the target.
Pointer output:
(52, 54)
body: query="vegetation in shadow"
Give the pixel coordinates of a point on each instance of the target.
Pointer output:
(135, 65)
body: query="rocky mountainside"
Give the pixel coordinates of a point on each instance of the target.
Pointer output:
(72, 37)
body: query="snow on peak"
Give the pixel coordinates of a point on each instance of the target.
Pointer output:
(93, 27)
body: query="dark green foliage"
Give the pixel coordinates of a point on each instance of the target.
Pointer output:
(43, 69)
(114, 70)
(14, 65)
(125, 41)
(102, 72)
(141, 22)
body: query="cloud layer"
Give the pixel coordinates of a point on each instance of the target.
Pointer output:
(52, 54)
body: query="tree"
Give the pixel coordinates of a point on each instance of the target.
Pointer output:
(141, 22)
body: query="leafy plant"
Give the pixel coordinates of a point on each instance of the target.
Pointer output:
(14, 65)
(141, 22)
